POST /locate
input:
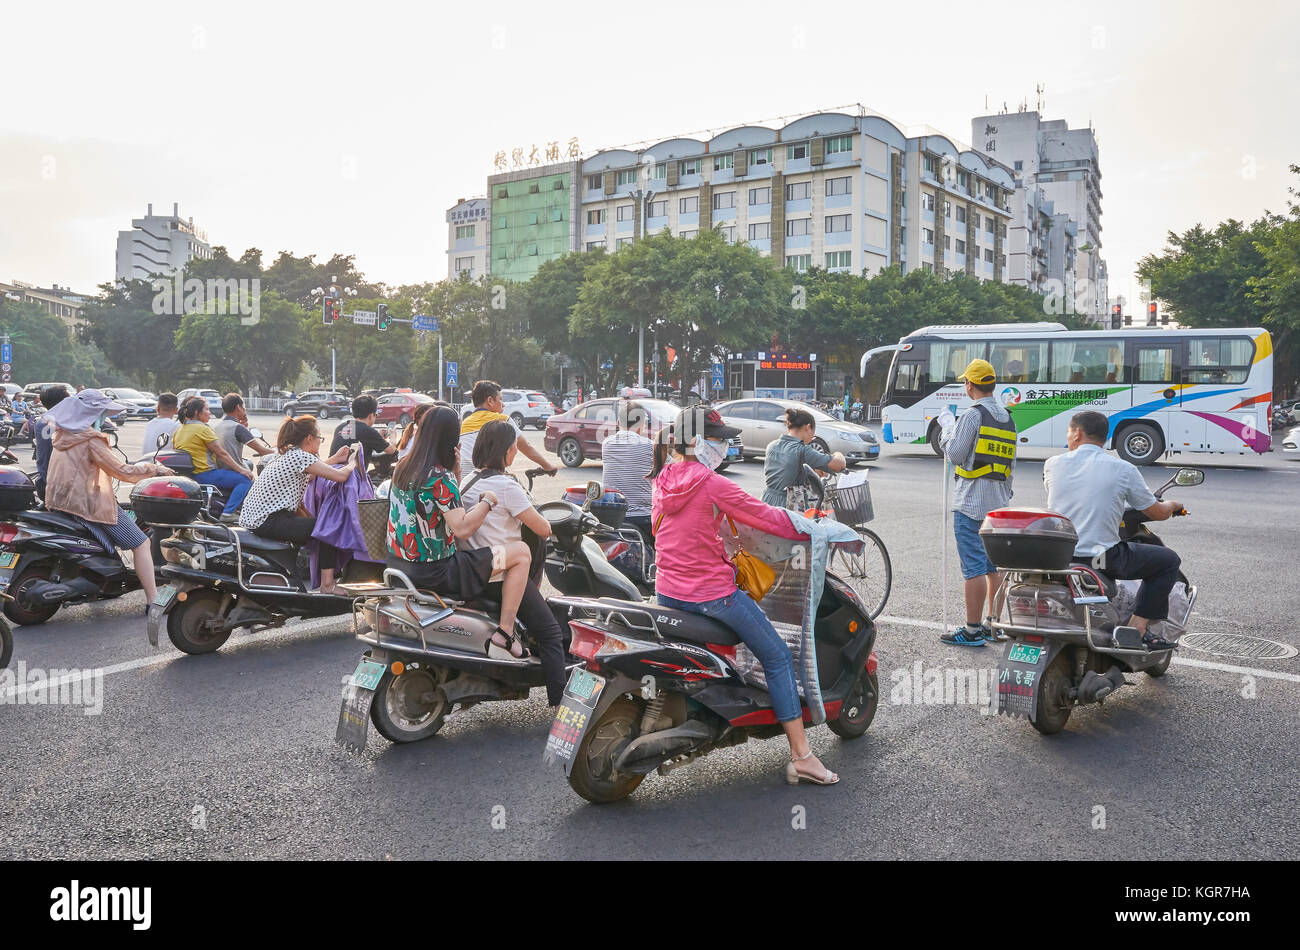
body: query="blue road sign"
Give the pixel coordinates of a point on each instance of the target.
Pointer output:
(451, 374)
(423, 321)
(718, 382)
(6, 352)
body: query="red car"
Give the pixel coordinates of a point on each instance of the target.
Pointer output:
(400, 407)
(576, 435)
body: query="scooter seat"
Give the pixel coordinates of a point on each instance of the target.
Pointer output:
(677, 624)
(253, 542)
(1108, 582)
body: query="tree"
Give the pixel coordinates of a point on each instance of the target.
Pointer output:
(364, 355)
(552, 294)
(262, 356)
(43, 347)
(137, 341)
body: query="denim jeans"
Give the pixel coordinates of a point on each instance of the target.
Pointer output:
(235, 486)
(739, 612)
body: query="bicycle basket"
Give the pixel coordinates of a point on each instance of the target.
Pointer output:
(853, 505)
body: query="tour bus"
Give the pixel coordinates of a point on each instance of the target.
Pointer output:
(1163, 390)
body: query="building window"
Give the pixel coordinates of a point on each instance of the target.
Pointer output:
(988, 224)
(534, 188)
(961, 214)
(464, 231)
(532, 250)
(760, 156)
(592, 245)
(626, 177)
(724, 199)
(723, 161)
(1019, 166)
(927, 267)
(689, 167)
(502, 192)
(596, 217)
(558, 186)
(929, 164)
(532, 217)
(622, 243)
(464, 264)
(728, 232)
(839, 186)
(557, 214)
(500, 221)
(836, 223)
(839, 143)
(658, 209)
(927, 201)
(623, 213)
(800, 262)
(760, 196)
(659, 172)
(927, 236)
(795, 152)
(760, 232)
(988, 254)
(839, 259)
(689, 234)
(961, 246)
(797, 191)
(595, 182)
(975, 216)
(962, 178)
(689, 205)
(947, 209)
(947, 242)
(797, 227)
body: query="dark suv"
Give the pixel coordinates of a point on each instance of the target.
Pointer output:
(320, 404)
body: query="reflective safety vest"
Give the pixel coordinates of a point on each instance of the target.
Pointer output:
(995, 448)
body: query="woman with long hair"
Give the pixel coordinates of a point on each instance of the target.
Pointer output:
(425, 516)
(271, 509)
(494, 452)
(408, 434)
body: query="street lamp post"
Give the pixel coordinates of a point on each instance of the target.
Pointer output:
(644, 199)
(334, 292)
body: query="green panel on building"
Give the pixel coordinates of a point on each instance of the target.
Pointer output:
(530, 224)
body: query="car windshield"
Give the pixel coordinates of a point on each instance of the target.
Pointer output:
(129, 394)
(420, 397)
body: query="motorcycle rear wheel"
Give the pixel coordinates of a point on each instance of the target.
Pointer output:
(593, 759)
(17, 610)
(1054, 703)
(186, 623)
(412, 706)
(1160, 668)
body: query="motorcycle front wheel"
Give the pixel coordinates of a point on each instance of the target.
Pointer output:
(593, 774)
(859, 708)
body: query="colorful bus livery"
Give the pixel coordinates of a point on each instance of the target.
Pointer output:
(1163, 390)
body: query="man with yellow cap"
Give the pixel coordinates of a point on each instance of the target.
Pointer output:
(982, 447)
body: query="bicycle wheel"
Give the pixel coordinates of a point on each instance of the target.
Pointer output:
(869, 573)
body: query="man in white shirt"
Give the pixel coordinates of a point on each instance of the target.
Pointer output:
(1093, 490)
(628, 456)
(165, 423)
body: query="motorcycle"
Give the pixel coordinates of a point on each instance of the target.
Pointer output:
(588, 541)
(659, 687)
(217, 578)
(1070, 645)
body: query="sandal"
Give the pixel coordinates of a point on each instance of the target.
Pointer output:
(1156, 642)
(506, 651)
(793, 776)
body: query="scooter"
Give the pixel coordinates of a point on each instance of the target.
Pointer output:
(660, 687)
(1070, 645)
(592, 553)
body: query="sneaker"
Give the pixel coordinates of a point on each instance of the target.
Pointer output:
(994, 636)
(965, 636)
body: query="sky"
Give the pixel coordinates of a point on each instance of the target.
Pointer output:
(344, 127)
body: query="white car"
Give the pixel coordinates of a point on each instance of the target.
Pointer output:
(525, 407)
(1290, 439)
(210, 396)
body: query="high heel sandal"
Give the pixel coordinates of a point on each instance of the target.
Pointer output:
(793, 776)
(506, 652)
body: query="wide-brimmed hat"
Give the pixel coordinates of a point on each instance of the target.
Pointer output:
(79, 411)
(700, 420)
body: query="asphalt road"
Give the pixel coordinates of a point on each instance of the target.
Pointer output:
(231, 755)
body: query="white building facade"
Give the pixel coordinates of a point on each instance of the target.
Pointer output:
(468, 238)
(159, 244)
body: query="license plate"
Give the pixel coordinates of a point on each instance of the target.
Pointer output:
(166, 594)
(8, 559)
(581, 696)
(733, 453)
(368, 674)
(1020, 653)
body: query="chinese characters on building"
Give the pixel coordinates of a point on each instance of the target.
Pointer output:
(552, 153)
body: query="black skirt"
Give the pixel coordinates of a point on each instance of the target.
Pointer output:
(463, 576)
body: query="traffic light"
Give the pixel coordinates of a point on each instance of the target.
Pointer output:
(381, 316)
(1151, 314)
(1115, 317)
(326, 313)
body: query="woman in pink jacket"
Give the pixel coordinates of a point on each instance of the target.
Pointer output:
(694, 573)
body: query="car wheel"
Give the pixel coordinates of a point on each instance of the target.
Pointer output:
(517, 419)
(288, 411)
(570, 452)
(404, 420)
(820, 445)
(324, 412)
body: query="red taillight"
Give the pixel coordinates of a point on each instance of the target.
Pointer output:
(586, 640)
(872, 662)
(533, 405)
(1034, 638)
(8, 532)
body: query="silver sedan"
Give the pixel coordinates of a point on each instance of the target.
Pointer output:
(762, 420)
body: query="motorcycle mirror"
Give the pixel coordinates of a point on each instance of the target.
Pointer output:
(256, 433)
(594, 491)
(1187, 477)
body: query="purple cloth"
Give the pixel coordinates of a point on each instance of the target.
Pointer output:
(334, 505)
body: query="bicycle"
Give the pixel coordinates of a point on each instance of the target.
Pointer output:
(870, 571)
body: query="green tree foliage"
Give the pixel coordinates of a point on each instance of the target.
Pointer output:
(137, 341)
(365, 355)
(227, 352)
(44, 350)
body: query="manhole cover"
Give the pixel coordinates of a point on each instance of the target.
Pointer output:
(1231, 644)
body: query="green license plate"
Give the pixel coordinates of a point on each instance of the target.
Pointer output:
(166, 594)
(1020, 653)
(8, 559)
(584, 685)
(368, 674)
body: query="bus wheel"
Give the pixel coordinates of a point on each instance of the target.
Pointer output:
(1141, 444)
(935, 432)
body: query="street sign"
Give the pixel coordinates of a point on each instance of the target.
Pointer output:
(6, 352)
(425, 322)
(4, 377)
(607, 364)
(364, 318)
(718, 381)
(451, 373)
(6, 367)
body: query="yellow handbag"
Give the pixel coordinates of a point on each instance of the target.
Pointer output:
(754, 576)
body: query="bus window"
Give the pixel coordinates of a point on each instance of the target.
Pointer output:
(1088, 361)
(1218, 360)
(948, 360)
(1155, 364)
(908, 381)
(1019, 362)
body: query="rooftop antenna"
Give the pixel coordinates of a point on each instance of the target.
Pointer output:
(1039, 105)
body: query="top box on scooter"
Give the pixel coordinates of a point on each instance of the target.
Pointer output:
(167, 499)
(1028, 539)
(17, 492)
(610, 508)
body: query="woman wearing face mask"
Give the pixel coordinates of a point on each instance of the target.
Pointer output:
(81, 473)
(694, 573)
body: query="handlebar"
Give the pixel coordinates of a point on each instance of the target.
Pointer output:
(534, 472)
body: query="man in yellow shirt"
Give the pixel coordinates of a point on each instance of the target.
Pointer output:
(196, 438)
(487, 408)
